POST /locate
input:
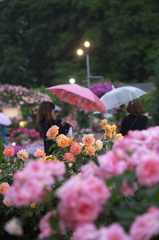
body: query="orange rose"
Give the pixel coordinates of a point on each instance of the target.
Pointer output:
(9, 152)
(88, 139)
(118, 136)
(69, 157)
(89, 150)
(63, 141)
(114, 127)
(52, 132)
(108, 135)
(108, 128)
(3, 187)
(103, 122)
(40, 153)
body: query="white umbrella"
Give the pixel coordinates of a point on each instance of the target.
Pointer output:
(121, 95)
(57, 108)
(4, 119)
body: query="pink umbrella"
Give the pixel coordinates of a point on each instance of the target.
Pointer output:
(4, 119)
(78, 95)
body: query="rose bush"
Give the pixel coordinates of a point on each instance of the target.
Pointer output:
(18, 96)
(111, 193)
(20, 134)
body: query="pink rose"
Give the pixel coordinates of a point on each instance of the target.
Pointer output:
(110, 165)
(147, 170)
(85, 232)
(95, 189)
(128, 190)
(144, 227)
(44, 226)
(113, 232)
(78, 201)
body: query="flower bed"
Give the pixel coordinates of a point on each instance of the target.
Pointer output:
(90, 190)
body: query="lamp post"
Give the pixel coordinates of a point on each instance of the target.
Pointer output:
(81, 52)
(85, 52)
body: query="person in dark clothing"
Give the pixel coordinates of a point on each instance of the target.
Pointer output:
(45, 118)
(135, 120)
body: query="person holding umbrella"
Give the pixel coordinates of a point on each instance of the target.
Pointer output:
(46, 119)
(4, 121)
(135, 120)
(4, 132)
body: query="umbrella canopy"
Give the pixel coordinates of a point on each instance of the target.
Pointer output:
(57, 108)
(121, 95)
(77, 95)
(4, 119)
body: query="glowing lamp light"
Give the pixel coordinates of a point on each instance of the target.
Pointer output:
(23, 123)
(87, 44)
(80, 52)
(72, 80)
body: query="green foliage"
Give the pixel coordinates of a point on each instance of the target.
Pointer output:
(2, 159)
(154, 107)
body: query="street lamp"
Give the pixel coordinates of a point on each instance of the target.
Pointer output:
(72, 80)
(85, 52)
(81, 52)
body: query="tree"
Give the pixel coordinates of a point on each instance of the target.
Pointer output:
(40, 47)
(154, 107)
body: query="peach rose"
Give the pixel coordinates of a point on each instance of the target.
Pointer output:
(9, 152)
(118, 136)
(114, 127)
(108, 128)
(89, 150)
(108, 135)
(39, 153)
(88, 139)
(63, 141)
(23, 154)
(6, 203)
(3, 187)
(103, 122)
(33, 205)
(98, 145)
(48, 159)
(52, 132)
(71, 140)
(69, 157)
(75, 148)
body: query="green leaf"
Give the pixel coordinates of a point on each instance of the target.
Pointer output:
(1, 176)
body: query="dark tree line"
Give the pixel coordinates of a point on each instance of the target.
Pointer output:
(39, 39)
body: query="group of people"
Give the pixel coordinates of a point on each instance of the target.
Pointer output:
(46, 117)
(135, 120)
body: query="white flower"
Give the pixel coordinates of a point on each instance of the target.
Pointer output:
(14, 227)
